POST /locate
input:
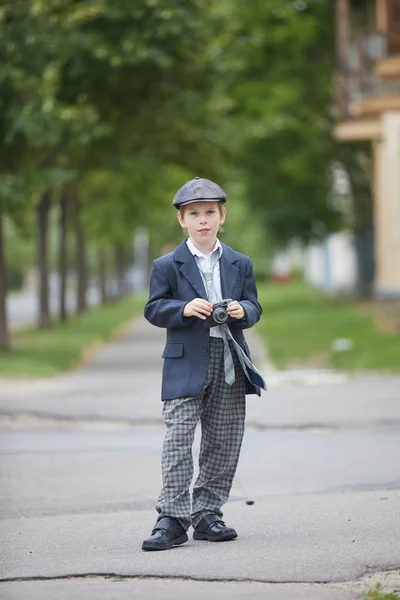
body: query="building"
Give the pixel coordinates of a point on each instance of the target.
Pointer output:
(368, 101)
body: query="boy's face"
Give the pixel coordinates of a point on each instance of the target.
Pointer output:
(202, 220)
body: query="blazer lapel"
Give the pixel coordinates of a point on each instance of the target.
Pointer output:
(189, 269)
(191, 272)
(229, 272)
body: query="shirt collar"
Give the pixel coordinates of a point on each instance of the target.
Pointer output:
(196, 252)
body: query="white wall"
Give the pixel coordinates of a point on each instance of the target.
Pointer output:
(329, 265)
(387, 207)
(314, 264)
(343, 265)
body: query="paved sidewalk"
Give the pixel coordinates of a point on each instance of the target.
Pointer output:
(316, 499)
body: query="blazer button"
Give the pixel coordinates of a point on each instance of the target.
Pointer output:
(205, 349)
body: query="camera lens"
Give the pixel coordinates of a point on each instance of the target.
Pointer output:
(220, 315)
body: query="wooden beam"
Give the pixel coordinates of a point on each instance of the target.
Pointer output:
(381, 16)
(376, 105)
(358, 130)
(388, 67)
(342, 33)
(393, 26)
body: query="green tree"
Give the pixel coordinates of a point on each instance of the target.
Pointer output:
(87, 84)
(283, 100)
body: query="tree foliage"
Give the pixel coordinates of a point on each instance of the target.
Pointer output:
(122, 102)
(284, 96)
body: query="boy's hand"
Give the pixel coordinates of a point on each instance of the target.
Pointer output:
(235, 310)
(198, 308)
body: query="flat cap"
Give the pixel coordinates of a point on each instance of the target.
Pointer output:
(199, 190)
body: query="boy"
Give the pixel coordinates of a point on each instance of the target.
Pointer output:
(207, 370)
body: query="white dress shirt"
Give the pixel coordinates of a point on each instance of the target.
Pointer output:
(204, 261)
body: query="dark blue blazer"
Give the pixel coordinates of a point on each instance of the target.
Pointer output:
(175, 281)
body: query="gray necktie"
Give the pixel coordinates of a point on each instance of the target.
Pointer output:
(208, 274)
(251, 372)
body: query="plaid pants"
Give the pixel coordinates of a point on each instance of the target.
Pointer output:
(221, 410)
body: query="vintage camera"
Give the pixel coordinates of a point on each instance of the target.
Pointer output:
(219, 314)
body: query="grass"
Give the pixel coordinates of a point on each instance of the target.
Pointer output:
(44, 353)
(377, 594)
(299, 325)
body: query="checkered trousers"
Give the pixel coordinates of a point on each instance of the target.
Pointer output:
(221, 410)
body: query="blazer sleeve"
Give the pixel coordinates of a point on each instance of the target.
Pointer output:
(249, 300)
(161, 309)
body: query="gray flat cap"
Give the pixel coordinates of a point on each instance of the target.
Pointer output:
(199, 190)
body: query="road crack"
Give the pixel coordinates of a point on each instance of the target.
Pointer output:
(47, 420)
(389, 576)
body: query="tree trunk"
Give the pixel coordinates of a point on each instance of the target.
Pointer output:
(81, 268)
(43, 210)
(357, 160)
(363, 218)
(103, 277)
(364, 246)
(120, 270)
(4, 338)
(63, 261)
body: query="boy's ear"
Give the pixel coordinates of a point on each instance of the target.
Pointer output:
(223, 215)
(179, 216)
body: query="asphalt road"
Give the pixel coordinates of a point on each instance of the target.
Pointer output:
(79, 474)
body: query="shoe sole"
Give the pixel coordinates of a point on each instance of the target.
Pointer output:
(211, 538)
(176, 542)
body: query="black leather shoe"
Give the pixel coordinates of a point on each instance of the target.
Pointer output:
(213, 529)
(168, 532)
